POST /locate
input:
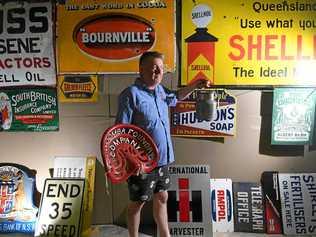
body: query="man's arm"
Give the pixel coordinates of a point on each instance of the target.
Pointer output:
(184, 92)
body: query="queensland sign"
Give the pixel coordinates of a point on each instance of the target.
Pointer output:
(185, 122)
(293, 116)
(29, 110)
(26, 44)
(109, 36)
(255, 43)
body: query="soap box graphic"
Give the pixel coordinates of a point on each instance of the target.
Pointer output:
(248, 207)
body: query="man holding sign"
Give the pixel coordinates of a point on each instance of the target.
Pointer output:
(145, 104)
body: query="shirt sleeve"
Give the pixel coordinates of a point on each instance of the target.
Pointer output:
(171, 97)
(125, 108)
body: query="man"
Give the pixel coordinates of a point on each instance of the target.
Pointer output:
(145, 104)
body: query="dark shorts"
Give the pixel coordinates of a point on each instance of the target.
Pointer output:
(143, 186)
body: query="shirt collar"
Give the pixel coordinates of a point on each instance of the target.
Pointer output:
(141, 84)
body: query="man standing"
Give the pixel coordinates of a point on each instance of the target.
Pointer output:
(145, 104)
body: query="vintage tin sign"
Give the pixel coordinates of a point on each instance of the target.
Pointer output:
(298, 203)
(78, 88)
(61, 208)
(248, 43)
(109, 36)
(293, 116)
(17, 210)
(29, 110)
(26, 44)
(189, 201)
(222, 205)
(185, 122)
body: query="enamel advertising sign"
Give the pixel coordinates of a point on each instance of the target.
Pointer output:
(26, 44)
(185, 121)
(109, 36)
(78, 88)
(29, 110)
(189, 201)
(293, 116)
(254, 43)
(297, 192)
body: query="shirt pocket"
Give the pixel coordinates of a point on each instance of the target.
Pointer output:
(147, 114)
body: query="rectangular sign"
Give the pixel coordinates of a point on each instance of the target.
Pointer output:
(78, 88)
(109, 36)
(248, 208)
(29, 110)
(185, 122)
(60, 208)
(249, 43)
(189, 201)
(26, 44)
(298, 202)
(222, 205)
(293, 116)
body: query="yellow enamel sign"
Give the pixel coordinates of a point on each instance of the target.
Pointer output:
(256, 43)
(101, 36)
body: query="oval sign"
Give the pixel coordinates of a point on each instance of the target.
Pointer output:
(114, 36)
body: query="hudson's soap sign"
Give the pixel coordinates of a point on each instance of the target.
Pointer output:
(109, 37)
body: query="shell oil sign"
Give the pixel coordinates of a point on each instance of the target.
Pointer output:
(201, 46)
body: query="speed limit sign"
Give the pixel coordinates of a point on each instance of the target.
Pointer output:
(60, 208)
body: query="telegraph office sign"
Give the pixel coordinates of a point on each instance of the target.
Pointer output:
(61, 207)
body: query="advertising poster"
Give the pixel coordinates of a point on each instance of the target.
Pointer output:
(293, 116)
(248, 207)
(18, 213)
(249, 43)
(29, 110)
(185, 122)
(109, 36)
(26, 44)
(222, 205)
(298, 202)
(78, 88)
(189, 201)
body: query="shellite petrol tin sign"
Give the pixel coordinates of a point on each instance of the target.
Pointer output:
(109, 37)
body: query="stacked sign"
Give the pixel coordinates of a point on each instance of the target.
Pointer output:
(27, 59)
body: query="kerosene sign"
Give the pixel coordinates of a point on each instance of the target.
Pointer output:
(185, 121)
(109, 37)
(26, 44)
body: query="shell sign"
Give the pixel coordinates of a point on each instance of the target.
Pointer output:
(109, 37)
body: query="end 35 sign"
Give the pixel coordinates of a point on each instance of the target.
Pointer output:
(185, 122)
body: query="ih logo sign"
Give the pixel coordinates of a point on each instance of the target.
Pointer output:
(185, 205)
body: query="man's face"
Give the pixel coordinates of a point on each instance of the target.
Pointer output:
(151, 72)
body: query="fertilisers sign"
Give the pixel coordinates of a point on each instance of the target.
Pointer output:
(188, 201)
(29, 110)
(60, 208)
(109, 36)
(298, 203)
(185, 122)
(26, 44)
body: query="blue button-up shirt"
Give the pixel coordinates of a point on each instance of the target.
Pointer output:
(149, 110)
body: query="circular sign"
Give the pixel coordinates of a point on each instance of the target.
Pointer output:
(126, 150)
(201, 15)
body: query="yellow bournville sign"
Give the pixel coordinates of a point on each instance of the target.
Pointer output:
(78, 88)
(109, 36)
(257, 43)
